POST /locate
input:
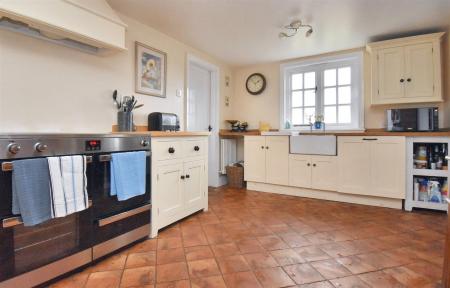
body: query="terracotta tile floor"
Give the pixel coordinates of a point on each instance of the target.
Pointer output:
(251, 239)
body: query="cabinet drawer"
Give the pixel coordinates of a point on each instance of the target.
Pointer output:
(167, 150)
(194, 147)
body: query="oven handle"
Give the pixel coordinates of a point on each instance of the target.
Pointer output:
(17, 220)
(123, 215)
(8, 166)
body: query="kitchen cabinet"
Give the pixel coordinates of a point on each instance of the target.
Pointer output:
(310, 171)
(407, 70)
(179, 179)
(266, 159)
(372, 166)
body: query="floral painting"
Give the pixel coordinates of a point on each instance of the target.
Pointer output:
(150, 71)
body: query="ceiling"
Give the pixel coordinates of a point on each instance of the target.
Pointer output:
(243, 32)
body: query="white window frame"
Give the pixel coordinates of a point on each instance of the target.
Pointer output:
(318, 65)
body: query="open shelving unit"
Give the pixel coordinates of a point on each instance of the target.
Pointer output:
(419, 174)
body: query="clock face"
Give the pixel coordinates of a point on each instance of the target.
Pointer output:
(256, 83)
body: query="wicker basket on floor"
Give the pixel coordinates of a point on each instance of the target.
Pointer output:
(235, 176)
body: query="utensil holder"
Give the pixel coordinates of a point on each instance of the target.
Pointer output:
(125, 121)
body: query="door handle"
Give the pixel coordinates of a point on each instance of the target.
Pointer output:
(123, 215)
(210, 128)
(370, 139)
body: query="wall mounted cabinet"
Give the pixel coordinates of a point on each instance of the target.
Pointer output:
(406, 70)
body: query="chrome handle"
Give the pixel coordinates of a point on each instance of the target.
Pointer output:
(8, 166)
(123, 215)
(17, 220)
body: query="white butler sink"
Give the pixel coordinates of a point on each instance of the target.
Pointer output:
(313, 144)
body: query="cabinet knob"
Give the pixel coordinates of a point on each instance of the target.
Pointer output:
(182, 177)
(171, 150)
(267, 147)
(314, 165)
(402, 80)
(196, 148)
(409, 79)
(309, 164)
(188, 176)
(262, 147)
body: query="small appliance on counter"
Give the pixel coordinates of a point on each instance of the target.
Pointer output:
(238, 126)
(412, 119)
(158, 121)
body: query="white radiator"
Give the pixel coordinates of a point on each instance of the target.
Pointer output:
(227, 153)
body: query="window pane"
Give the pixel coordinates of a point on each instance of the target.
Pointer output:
(310, 98)
(310, 80)
(330, 77)
(330, 114)
(309, 115)
(345, 114)
(329, 96)
(344, 76)
(345, 94)
(297, 99)
(297, 116)
(297, 81)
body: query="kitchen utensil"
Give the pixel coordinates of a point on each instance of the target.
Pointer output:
(118, 105)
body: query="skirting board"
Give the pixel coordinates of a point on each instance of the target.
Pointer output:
(326, 195)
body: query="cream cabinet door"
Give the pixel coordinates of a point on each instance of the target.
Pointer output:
(277, 160)
(353, 165)
(391, 74)
(169, 189)
(324, 176)
(419, 68)
(195, 188)
(255, 158)
(300, 170)
(387, 165)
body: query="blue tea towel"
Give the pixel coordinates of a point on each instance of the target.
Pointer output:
(31, 191)
(128, 174)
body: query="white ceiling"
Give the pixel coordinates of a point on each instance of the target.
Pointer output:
(242, 32)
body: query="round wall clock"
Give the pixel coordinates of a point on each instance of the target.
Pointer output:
(256, 83)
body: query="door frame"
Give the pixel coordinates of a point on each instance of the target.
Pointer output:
(214, 149)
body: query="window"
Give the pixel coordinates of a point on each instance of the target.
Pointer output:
(328, 88)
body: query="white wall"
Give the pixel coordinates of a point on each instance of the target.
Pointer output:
(49, 88)
(265, 107)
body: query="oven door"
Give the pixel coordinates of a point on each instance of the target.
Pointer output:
(26, 252)
(116, 223)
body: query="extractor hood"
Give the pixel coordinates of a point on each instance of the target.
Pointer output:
(91, 26)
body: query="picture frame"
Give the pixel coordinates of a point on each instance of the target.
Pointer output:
(151, 70)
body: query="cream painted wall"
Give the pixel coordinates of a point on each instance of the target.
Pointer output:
(50, 88)
(265, 107)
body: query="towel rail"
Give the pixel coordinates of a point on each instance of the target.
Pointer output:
(17, 220)
(8, 166)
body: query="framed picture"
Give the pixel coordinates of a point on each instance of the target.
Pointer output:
(150, 71)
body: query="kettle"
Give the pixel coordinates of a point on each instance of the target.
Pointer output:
(434, 192)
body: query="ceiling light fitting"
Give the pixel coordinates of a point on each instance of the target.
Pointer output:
(293, 28)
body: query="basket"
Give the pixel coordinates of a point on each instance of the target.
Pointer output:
(235, 176)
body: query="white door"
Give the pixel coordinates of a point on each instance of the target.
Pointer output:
(255, 158)
(277, 160)
(300, 171)
(419, 70)
(324, 176)
(391, 78)
(202, 110)
(169, 186)
(194, 190)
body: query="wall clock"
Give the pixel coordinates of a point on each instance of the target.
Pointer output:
(256, 83)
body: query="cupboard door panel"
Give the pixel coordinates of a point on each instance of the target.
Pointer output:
(194, 189)
(388, 167)
(391, 69)
(419, 66)
(300, 171)
(255, 158)
(353, 165)
(324, 176)
(277, 160)
(169, 187)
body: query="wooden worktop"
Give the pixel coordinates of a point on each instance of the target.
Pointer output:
(142, 130)
(369, 132)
